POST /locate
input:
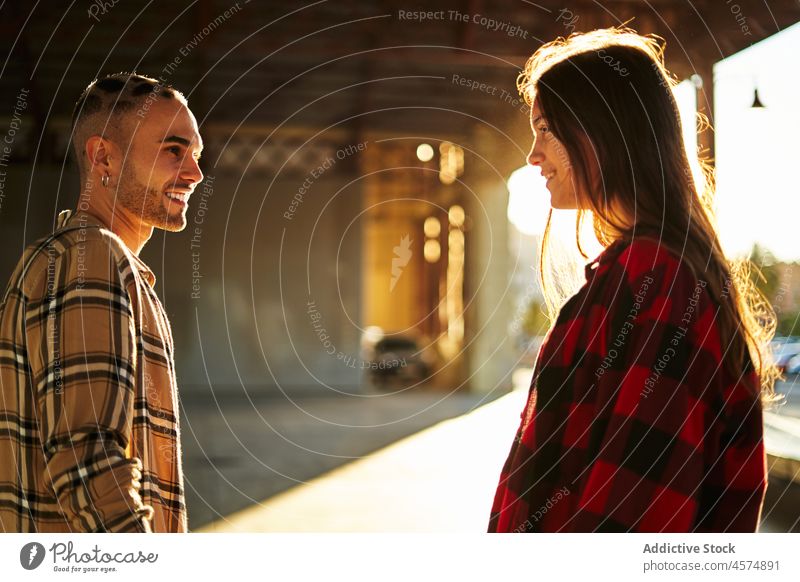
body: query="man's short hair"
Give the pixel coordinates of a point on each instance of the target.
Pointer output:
(107, 106)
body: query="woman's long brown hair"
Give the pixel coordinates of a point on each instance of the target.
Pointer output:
(611, 87)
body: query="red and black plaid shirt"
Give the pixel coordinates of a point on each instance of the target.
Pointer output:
(633, 423)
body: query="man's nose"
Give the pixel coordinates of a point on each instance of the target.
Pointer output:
(191, 171)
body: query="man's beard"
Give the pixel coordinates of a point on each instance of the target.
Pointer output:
(146, 204)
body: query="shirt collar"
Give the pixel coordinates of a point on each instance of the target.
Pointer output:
(82, 218)
(600, 262)
(612, 251)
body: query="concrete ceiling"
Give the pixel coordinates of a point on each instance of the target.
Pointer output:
(342, 63)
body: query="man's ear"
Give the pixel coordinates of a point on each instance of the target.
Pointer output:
(102, 154)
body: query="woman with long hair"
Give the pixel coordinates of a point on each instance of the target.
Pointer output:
(645, 408)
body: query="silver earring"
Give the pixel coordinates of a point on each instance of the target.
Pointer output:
(104, 180)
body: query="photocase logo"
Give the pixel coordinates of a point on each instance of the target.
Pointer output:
(31, 555)
(402, 254)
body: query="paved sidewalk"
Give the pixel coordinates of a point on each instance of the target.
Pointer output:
(440, 480)
(782, 433)
(240, 451)
(443, 480)
(782, 440)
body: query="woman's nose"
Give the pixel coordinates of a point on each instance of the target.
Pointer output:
(535, 156)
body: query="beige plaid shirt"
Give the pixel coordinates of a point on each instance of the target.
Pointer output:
(89, 437)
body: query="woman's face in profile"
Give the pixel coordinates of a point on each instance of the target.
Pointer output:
(551, 156)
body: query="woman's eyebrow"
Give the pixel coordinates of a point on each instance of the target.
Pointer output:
(537, 119)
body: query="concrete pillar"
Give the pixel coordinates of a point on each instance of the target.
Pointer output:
(490, 346)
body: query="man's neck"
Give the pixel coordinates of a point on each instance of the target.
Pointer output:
(119, 221)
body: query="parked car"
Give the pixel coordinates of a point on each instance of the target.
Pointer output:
(793, 365)
(784, 350)
(397, 360)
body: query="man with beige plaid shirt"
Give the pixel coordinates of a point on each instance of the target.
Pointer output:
(89, 432)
